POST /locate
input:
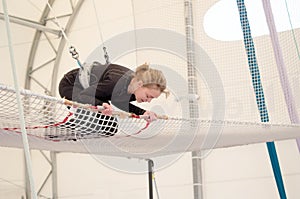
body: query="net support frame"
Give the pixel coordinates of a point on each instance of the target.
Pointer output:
(192, 90)
(150, 177)
(259, 93)
(53, 156)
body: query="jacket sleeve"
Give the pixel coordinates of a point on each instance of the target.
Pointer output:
(136, 110)
(126, 106)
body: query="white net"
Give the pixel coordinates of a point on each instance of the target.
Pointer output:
(60, 125)
(56, 119)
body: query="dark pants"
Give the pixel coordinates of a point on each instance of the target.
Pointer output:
(69, 86)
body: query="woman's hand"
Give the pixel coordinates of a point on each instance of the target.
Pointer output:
(107, 109)
(151, 116)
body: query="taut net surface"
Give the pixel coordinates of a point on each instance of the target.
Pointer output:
(51, 124)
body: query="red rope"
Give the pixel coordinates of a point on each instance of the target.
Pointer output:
(147, 125)
(138, 132)
(46, 126)
(66, 119)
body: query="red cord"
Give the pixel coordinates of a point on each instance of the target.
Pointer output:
(66, 119)
(46, 126)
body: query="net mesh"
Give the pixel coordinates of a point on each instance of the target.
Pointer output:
(55, 125)
(50, 118)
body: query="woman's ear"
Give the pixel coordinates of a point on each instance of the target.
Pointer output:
(140, 83)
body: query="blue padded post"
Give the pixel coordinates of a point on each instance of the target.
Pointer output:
(259, 93)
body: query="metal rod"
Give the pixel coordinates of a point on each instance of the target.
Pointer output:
(19, 102)
(193, 91)
(31, 24)
(150, 177)
(54, 175)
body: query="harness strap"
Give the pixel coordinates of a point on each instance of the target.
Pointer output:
(85, 75)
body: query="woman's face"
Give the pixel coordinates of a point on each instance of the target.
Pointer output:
(146, 94)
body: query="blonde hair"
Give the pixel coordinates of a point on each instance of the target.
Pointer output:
(151, 78)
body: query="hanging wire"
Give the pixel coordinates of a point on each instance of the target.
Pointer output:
(58, 24)
(155, 184)
(100, 34)
(134, 27)
(151, 171)
(72, 49)
(293, 32)
(35, 6)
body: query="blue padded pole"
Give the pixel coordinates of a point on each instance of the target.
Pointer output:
(259, 93)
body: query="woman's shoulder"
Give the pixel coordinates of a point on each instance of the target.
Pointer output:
(97, 64)
(118, 66)
(115, 71)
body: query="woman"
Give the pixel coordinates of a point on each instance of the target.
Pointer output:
(116, 84)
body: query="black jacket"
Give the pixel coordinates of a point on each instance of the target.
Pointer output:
(107, 83)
